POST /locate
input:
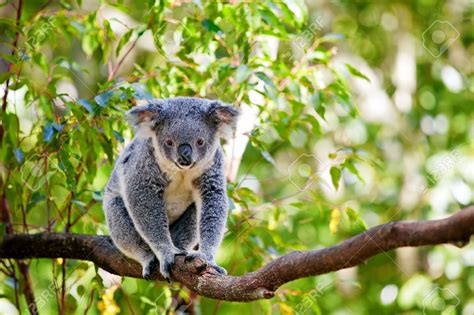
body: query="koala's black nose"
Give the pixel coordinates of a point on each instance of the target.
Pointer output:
(185, 154)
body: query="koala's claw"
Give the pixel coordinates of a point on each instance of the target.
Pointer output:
(149, 268)
(165, 267)
(219, 269)
(146, 275)
(167, 261)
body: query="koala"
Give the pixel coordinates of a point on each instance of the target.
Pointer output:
(167, 195)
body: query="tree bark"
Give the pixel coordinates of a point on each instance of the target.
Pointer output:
(456, 229)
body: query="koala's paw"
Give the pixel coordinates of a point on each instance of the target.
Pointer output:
(167, 261)
(149, 268)
(198, 259)
(201, 262)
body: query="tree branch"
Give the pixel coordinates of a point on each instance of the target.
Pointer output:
(456, 229)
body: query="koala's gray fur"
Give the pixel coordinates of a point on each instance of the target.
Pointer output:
(167, 192)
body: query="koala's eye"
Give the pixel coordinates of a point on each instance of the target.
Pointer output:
(200, 142)
(169, 142)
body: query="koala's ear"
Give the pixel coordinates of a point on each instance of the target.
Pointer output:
(224, 117)
(145, 117)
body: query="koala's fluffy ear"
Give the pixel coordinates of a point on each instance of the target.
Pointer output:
(145, 117)
(224, 117)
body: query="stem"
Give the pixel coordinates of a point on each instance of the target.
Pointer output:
(23, 266)
(28, 290)
(63, 288)
(113, 70)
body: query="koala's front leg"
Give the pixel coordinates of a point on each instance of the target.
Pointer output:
(145, 204)
(212, 200)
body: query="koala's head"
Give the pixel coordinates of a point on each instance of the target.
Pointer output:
(185, 131)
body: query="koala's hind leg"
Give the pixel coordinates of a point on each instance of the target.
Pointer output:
(184, 230)
(125, 236)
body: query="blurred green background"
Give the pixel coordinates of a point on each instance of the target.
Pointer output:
(355, 113)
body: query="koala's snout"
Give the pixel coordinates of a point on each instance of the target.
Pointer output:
(185, 153)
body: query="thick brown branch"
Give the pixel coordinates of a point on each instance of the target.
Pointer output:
(456, 229)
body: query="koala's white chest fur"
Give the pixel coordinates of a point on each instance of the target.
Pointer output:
(178, 195)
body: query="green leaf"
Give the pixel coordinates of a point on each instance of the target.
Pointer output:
(315, 125)
(12, 125)
(123, 41)
(16, 86)
(48, 132)
(299, 11)
(265, 79)
(86, 104)
(266, 155)
(97, 195)
(335, 176)
(356, 219)
(103, 98)
(318, 55)
(89, 44)
(356, 72)
(243, 73)
(141, 30)
(9, 58)
(146, 300)
(19, 155)
(331, 38)
(212, 27)
(118, 136)
(318, 100)
(4, 76)
(69, 170)
(349, 164)
(269, 85)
